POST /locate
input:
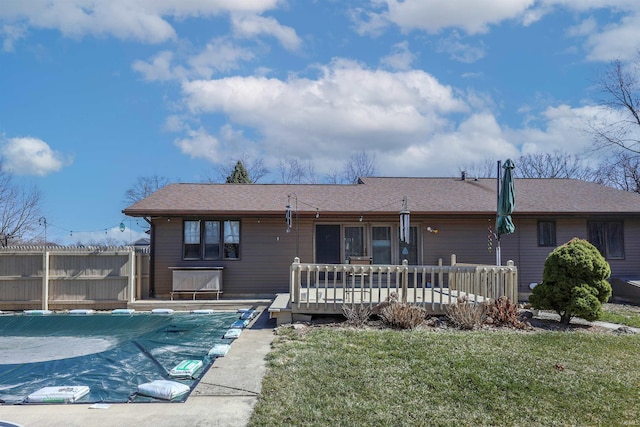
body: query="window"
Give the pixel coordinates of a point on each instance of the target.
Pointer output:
(353, 242)
(191, 240)
(202, 239)
(546, 233)
(211, 239)
(608, 237)
(328, 244)
(381, 242)
(232, 239)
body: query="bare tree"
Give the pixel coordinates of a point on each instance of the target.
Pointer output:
(620, 129)
(143, 187)
(19, 210)
(295, 171)
(359, 165)
(482, 169)
(557, 164)
(621, 171)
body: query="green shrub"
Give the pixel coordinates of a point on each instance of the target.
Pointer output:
(574, 282)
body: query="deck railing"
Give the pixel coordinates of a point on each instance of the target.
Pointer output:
(325, 288)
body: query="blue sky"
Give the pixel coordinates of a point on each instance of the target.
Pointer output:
(94, 94)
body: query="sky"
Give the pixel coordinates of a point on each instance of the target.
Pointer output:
(95, 94)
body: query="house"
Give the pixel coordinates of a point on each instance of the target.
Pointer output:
(253, 232)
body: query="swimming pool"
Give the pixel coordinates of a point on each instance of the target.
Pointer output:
(111, 354)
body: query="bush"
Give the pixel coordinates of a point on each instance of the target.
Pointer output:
(466, 315)
(401, 315)
(574, 282)
(503, 312)
(357, 315)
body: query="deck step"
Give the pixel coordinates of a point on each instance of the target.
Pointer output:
(280, 309)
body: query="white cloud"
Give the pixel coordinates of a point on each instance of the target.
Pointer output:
(159, 68)
(142, 20)
(347, 108)
(478, 137)
(471, 16)
(417, 125)
(401, 58)
(11, 33)
(251, 26)
(619, 41)
(30, 156)
(460, 51)
(200, 144)
(219, 55)
(346, 104)
(562, 128)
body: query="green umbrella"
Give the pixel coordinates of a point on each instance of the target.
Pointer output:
(506, 200)
(506, 205)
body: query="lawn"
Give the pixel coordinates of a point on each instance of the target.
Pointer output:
(333, 376)
(621, 313)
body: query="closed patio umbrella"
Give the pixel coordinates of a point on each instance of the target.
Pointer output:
(506, 205)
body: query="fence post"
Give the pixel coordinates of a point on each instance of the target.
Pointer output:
(405, 279)
(45, 279)
(138, 258)
(132, 275)
(294, 286)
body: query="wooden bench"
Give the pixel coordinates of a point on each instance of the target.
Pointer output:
(197, 280)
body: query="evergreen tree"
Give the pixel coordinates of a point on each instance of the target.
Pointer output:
(239, 175)
(574, 282)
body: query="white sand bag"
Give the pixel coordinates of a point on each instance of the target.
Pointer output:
(81, 311)
(232, 333)
(186, 369)
(162, 311)
(239, 324)
(38, 312)
(123, 311)
(203, 311)
(66, 394)
(248, 315)
(219, 350)
(163, 389)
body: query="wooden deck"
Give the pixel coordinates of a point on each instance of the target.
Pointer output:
(325, 289)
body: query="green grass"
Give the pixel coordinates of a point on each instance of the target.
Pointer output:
(622, 314)
(358, 377)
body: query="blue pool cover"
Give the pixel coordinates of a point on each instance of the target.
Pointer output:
(110, 354)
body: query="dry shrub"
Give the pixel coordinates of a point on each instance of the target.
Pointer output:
(503, 312)
(401, 315)
(357, 315)
(466, 315)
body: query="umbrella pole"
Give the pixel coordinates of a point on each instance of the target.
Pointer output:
(499, 175)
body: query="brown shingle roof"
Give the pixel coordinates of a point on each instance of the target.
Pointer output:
(384, 195)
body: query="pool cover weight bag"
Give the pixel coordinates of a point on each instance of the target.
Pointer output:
(186, 369)
(68, 394)
(163, 389)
